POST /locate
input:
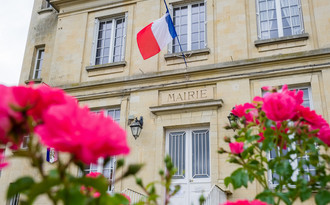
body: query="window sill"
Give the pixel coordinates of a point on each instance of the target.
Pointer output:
(105, 69)
(35, 81)
(191, 56)
(45, 10)
(282, 42)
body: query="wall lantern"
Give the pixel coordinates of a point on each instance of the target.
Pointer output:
(233, 120)
(136, 127)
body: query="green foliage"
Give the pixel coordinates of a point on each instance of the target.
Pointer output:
(293, 152)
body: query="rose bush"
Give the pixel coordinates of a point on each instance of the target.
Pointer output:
(281, 144)
(54, 119)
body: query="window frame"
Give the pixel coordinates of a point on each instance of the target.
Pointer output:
(294, 163)
(280, 28)
(37, 69)
(188, 149)
(189, 30)
(112, 162)
(97, 22)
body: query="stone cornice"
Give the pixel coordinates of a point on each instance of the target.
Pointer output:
(243, 65)
(69, 6)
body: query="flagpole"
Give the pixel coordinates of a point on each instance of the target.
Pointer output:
(177, 37)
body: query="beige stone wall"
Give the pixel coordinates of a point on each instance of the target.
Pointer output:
(234, 68)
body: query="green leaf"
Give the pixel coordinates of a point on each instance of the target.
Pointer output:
(19, 186)
(42, 187)
(305, 193)
(322, 197)
(284, 168)
(99, 183)
(227, 181)
(266, 196)
(133, 169)
(284, 197)
(120, 163)
(239, 178)
(73, 196)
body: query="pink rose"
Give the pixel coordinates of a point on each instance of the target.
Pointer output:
(247, 110)
(324, 135)
(86, 135)
(127, 197)
(12, 125)
(236, 147)
(311, 118)
(93, 174)
(91, 190)
(279, 106)
(245, 202)
(38, 99)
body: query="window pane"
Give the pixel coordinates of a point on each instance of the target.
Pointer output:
(177, 152)
(200, 154)
(287, 32)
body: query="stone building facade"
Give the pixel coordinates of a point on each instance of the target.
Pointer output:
(232, 48)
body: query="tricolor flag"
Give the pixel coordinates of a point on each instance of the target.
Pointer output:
(52, 155)
(156, 36)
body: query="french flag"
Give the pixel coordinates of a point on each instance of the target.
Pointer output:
(156, 36)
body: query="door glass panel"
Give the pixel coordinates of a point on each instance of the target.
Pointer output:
(177, 151)
(200, 154)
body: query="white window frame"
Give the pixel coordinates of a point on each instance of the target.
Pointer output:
(280, 28)
(112, 41)
(111, 168)
(189, 31)
(38, 66)
(188, 153)
(294, 164)
(115, 114)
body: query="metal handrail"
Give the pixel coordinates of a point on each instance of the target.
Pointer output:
(134, 195)
(215, 196)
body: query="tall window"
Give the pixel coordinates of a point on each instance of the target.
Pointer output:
(38, 63)
(108, 170)
(277, 18)
(273, 176)
(189, 22)
(109, 42)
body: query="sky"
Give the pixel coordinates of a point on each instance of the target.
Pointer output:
(15, 16)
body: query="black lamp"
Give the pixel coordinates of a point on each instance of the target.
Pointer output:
(136, 127)
(233, 120)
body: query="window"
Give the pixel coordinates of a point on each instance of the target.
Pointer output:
(14, 200)
(273, 177)
(38, 63)
(278, 18)
(109, 40)
(190, 153)
(189, 22)
(109, 169)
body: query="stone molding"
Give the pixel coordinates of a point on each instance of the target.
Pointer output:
(157, 110)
